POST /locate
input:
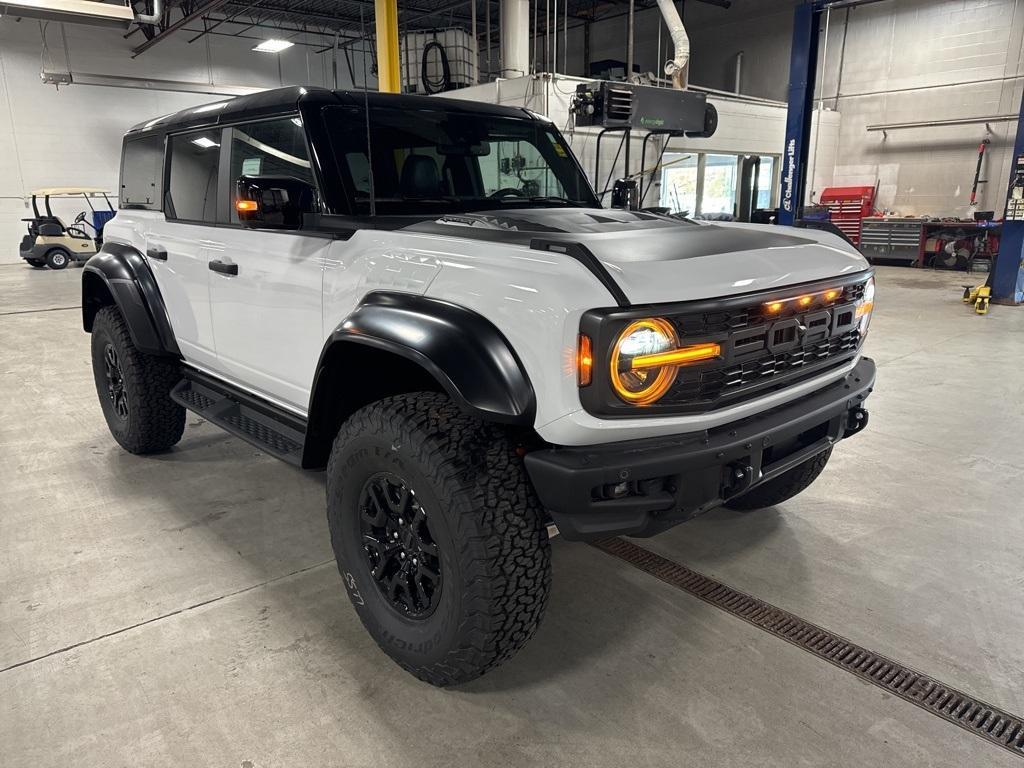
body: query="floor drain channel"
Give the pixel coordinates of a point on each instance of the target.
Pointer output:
(990, 723)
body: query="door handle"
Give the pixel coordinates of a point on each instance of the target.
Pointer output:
(225, 269)
(157, 252)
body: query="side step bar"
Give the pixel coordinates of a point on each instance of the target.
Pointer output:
(263, 424)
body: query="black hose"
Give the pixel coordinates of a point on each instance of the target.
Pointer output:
(433, 86)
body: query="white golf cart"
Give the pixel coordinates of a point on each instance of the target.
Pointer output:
(50, 242)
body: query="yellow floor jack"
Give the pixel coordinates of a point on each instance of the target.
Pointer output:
(979, 296)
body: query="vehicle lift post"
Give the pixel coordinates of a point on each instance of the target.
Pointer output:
(1008, 270)
(803, 75)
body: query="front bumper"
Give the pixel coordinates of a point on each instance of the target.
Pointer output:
(642, 487)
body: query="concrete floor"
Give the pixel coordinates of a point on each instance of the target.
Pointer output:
(185, 609)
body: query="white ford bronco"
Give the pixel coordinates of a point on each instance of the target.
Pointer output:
(425, 298)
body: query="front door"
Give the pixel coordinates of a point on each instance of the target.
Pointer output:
(266, 285)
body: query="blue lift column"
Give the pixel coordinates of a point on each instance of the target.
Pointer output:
(803, 72)
(1008, 275)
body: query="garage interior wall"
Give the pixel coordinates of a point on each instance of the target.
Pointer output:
(72, 136)
(903, 61)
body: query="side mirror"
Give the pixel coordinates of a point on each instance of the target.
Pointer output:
(273, 202)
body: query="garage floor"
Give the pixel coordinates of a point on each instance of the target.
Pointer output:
(185, 609)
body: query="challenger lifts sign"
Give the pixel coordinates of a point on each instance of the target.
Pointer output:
(787, 180)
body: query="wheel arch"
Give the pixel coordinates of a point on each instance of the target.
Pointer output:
(397, 342)
(119, 275)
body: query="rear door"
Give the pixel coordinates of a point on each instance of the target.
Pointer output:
(179, 244)
(266, 285)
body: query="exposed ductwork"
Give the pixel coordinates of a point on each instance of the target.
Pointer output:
(515, 38)
(678, 67)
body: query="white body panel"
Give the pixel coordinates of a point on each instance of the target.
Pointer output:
(534, 298)
(182, 278)
(267, 319)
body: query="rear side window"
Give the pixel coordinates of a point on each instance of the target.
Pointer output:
(269, 148)
(142, 166)
(192, 186)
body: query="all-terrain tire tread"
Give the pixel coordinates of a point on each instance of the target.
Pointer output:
(505, 553)
(156, 421)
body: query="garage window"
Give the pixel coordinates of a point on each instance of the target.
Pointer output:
(141, 173)
(192, 188)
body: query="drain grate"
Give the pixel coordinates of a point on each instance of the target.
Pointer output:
(990, 723)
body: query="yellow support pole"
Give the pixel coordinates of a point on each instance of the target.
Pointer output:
(388, 74)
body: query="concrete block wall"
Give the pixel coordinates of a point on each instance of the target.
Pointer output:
(918, 60)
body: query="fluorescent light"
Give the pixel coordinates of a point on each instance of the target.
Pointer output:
(205, 143)
(273, 46)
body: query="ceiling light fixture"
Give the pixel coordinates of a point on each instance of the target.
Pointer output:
(273, 46)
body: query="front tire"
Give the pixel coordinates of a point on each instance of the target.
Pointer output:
(57, 258)
(134, 388)
(412, 479)
(784, 487)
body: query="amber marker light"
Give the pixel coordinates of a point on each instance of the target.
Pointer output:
(584, 361)
(831, 295)
(865, 308)
(775, 306)
(682, 356)
(804, 301)
(246, 206)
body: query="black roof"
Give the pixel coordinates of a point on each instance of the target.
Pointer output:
(279, 100)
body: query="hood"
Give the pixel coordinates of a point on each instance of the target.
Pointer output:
(657, 259)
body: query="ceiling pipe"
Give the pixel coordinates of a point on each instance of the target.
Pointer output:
(678, 67)
(152, 18)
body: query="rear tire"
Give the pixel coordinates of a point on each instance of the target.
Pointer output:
(785, 486)
(412, 479)
(57, 258)
(134, 388)
(36, 263)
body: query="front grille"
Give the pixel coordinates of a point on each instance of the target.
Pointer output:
(738, 318)
(721, 385)
(768, 340)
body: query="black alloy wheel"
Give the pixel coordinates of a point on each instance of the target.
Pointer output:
(115, 382)
(402, 555)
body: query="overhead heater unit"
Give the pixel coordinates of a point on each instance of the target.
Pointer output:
(89, 12)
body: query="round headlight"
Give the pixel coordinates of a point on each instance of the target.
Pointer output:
(641, 338)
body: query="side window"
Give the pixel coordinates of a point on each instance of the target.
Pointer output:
(192, 187)
(142, 165)
(268, 148)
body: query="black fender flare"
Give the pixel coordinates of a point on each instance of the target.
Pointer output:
(118, 273)
(462, 350)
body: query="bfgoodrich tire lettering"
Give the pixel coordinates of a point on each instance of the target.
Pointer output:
(134, 388)
(485, 520)
(785, 486)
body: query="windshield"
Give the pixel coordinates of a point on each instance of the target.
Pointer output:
(435, 161)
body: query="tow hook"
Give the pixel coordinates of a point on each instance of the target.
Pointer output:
(856, 420)
(738, 478)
